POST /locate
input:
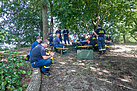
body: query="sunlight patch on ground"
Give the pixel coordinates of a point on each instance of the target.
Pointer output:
(73, 70)
(124, 86)
(105, 80)
(62, 62)
(99, 71)
(123, 48)
(82, 64)
(125, 80)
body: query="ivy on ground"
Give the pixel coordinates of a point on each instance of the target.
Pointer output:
(11, 73)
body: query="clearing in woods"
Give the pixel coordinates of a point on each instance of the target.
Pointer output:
(114, 71)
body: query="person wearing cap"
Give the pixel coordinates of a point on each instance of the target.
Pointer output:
(58, 43)
(66, 35)
(74, 40)
(100, 34)
(50, 39)
(59, 31)
(40, 57)
(108, 41)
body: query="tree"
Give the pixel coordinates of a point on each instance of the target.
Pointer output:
(22, 19)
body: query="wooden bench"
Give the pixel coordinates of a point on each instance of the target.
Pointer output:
(85, 46)
(61, 49)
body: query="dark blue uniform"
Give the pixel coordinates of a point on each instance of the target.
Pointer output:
(101, 40)
(92, 40)
(37, 60)
(108, 43)
(50, 39)
(33, 45)
(56, 43)
(60, 37)
(83, 39)
(66, 36)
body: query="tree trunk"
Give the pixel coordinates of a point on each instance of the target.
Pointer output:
(45, 20)
(51, 22)
(124, 38)
(19, 46)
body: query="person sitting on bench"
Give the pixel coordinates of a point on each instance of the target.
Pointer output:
(50, 39)
(83, 39)
(92, 40)
(108, 41)
(58, 43)
(74, 41)
(40, 58)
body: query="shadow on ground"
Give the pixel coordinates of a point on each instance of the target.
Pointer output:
(114, 71)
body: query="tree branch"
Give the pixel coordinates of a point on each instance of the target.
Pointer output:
(86, 25)
(133, 37)
(103, 16)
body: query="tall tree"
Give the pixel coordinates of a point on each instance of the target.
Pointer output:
(51, 15)
(45, 19)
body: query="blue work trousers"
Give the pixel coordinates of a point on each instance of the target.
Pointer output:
(43, 63)
(60, 38)
(61, 46)
(76, 45)
(66, 39)
(101, 44)
(107, 47)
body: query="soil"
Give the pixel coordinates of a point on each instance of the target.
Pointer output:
(114, 71)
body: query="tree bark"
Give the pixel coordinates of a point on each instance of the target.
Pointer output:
(51, 22)
(86, 25)
(124, 38)
(45, 20)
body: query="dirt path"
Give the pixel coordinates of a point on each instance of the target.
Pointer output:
(114, 71)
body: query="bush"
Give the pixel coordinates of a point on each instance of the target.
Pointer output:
(11, 72)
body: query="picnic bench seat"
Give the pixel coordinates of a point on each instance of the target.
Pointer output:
(86, 46)
(61, 49)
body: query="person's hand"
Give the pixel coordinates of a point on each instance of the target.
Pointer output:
(52, 53)
(48, 49)
(88, 42)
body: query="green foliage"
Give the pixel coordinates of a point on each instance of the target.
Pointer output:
(4, 35)
(22, 19)
(11, 72)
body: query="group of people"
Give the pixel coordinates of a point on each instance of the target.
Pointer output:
(39, 57)
(57, 40)
(97, 39)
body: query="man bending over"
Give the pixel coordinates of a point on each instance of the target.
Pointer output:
(40, 58)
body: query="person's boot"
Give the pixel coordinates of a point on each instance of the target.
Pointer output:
(46, 73)
(104, 52)
(100, 52)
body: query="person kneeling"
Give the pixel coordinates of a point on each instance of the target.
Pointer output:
(40, 58)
